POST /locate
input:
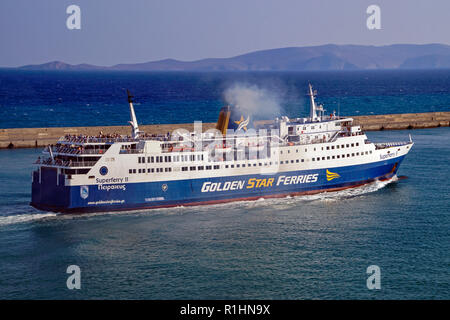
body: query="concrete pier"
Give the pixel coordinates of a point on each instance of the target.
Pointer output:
(41, 137)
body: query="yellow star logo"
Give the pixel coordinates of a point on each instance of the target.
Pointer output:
(332, 175)
(242, 124)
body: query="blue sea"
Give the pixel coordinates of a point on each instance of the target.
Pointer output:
(310, 247)
(52, 98)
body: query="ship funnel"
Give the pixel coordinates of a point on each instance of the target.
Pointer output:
(224, 118)
(133, 122)
(231, 117)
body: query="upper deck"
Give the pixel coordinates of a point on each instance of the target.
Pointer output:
(83, 152)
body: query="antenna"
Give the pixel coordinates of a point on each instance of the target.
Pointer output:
(133, 122)
(312, 112)
(130, 97)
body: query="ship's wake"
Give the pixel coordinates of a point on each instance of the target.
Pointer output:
(24, 217)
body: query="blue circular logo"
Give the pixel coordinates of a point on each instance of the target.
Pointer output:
(103, 171)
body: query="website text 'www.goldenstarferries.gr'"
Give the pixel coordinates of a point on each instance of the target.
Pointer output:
(106, 202)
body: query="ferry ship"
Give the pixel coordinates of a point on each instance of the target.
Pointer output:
(238, 160)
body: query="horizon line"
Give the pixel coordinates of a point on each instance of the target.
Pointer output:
(218, 58)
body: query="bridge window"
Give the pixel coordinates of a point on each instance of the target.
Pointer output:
(130, 171)
(208, 167)
(216, 167)
(184, 168)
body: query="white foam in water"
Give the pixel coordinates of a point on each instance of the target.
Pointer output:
(21, 218)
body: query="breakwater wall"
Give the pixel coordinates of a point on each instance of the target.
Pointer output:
(40, 137)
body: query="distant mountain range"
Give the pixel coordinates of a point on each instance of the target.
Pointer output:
(325, 57)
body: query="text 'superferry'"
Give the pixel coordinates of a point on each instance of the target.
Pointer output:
(235, 161)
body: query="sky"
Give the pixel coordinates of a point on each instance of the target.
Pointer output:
(132, 31)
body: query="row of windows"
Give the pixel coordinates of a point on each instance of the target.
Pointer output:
(342, 156)
(243, 165)
(157, 170)
(149, 170)
(178, 158)
(193, 168)
(342, 146)
(200, 157)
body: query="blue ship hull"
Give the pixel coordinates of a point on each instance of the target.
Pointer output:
(133, 196)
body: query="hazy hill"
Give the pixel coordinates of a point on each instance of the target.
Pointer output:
(326, 57)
